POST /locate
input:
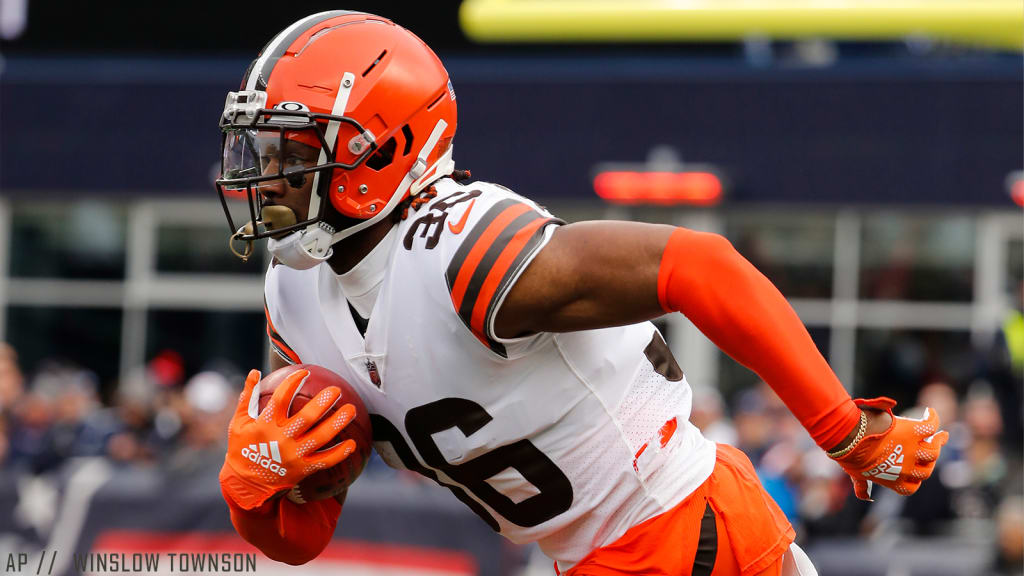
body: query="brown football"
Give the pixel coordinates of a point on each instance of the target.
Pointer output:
(325, 483)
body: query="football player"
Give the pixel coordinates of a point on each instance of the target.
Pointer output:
(501, 353)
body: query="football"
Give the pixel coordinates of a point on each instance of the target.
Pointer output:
(333, 481)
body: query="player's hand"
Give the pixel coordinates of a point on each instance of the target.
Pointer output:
(899, 458)
(269, 452)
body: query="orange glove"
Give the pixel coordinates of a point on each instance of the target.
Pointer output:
(899, 458)
(270, 452)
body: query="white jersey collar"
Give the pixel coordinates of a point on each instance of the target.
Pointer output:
(362, 283)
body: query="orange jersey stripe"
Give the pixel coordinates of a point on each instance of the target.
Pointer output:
(480, 248)
(497, 272)
(270, 323)
(282, 347)
(277, 341)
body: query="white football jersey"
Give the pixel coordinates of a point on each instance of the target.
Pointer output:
(564, 439)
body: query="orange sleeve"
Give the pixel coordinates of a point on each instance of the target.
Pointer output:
(744, 314)
(285, 531)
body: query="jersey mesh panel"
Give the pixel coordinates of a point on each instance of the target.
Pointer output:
(647, 405)
(600, 479)
(650, 403)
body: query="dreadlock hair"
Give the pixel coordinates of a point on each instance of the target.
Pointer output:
(415, 202)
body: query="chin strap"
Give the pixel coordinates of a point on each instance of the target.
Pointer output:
(304, 249)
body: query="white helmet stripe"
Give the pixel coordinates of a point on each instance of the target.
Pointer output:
(275, 49)
(348, 80)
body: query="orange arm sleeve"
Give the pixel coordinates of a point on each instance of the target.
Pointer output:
(285, 531)
(744, 314)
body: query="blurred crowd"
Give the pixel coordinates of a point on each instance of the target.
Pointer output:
(975, 492)
(155, 417)
(161, 417)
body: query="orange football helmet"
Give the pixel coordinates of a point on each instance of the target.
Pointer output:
(371, 96)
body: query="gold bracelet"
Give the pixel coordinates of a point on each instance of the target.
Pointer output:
(861, 430)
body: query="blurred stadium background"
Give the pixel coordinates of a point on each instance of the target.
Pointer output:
(865, 155)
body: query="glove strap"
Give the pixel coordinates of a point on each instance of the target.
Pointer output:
(245, 494)
(862, 428)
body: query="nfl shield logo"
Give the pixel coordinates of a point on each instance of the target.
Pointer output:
(371, 368)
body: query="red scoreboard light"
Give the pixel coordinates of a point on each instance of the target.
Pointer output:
(1015, 186)
(662, 180)
(661, 188)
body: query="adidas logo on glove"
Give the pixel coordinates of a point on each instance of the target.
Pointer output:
(889, 469)
(267, 455)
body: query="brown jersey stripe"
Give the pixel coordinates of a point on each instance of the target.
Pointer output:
(499, 281)
(284, 351)
(519, 245)
(483, 267)
(463, 263)
(277, 342)
(487, 260)
(495, 347)
(271, 331)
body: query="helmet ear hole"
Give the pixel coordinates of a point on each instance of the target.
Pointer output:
(384, 155)
(407, 132)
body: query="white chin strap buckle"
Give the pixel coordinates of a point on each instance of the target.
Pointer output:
(418, 168)
(302, 250)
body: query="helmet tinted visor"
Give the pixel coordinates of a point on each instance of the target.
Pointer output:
(266, 161)
(251, 156)
(271, 152)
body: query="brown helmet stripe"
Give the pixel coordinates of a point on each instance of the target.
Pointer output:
(259, 71)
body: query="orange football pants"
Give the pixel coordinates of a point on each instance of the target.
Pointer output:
(728, 527)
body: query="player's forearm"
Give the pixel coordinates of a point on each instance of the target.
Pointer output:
(743, 313)
(286, 531)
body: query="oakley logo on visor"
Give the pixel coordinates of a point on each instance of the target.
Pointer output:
(292, 106)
